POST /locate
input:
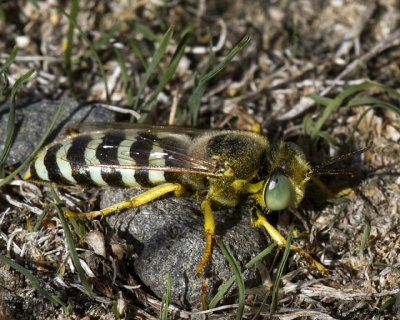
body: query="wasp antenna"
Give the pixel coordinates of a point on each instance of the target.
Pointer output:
(333, 172)
(318, 169)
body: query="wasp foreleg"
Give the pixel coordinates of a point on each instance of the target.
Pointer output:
(136, 201)
(281, 241)
(325, 189)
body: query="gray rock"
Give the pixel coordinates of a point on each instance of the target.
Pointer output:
(32, 122)
(168, 237)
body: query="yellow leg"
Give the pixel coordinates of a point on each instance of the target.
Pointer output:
(136, 201)
(203, 295)
(324, 188)
(209, 229)
(281, 241)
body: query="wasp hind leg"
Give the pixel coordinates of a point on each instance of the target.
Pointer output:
(281, 241)
(135, 201)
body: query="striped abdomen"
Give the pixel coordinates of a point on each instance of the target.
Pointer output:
(125, 158)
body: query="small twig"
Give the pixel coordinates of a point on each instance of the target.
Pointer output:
(119, 109)
(22, 205)
(32, 58)
(174, 107)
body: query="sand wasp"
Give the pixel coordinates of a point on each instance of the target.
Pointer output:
(219, 167)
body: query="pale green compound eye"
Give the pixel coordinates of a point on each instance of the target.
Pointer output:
(278, 192)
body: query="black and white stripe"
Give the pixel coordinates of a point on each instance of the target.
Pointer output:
(76, 156)
(140, 152)
(106, 156)
(106, 159)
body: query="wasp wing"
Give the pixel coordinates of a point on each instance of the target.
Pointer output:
(85, 127)
(141, 148)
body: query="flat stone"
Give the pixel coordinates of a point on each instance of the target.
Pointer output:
(168, 238)
(33, 120)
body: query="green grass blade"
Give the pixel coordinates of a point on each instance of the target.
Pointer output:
(333, 105)
(159, 53)
(307, 125)
(79, 229)
(189, 28)
(195, 98)
(104, 39)
(11, 121)
(382, 104)
(35, 4)
(385, 88)
(259, 310)
(280, 271)
(138, 53)
(238, 275)
(91, 46)
(41, 218)
(35, 282)
(261, 255)
(166, 300)
(10, 60)
(319, 99)
(374, 101)
(195, 101)
(221, 291)
(227, 59)
(70, 243)
(70, 44)
(364, 239)
(38, 147)
(329, 138)
(335, 218)
(166, 76)
(125, 77)
(144, 31)
(386, 305)
(224, 288)
(385, 265)
(2, 16)
(115, 311)
(199, 88)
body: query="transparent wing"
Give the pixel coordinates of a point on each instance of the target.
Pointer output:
(141, 148)
(100, 126)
